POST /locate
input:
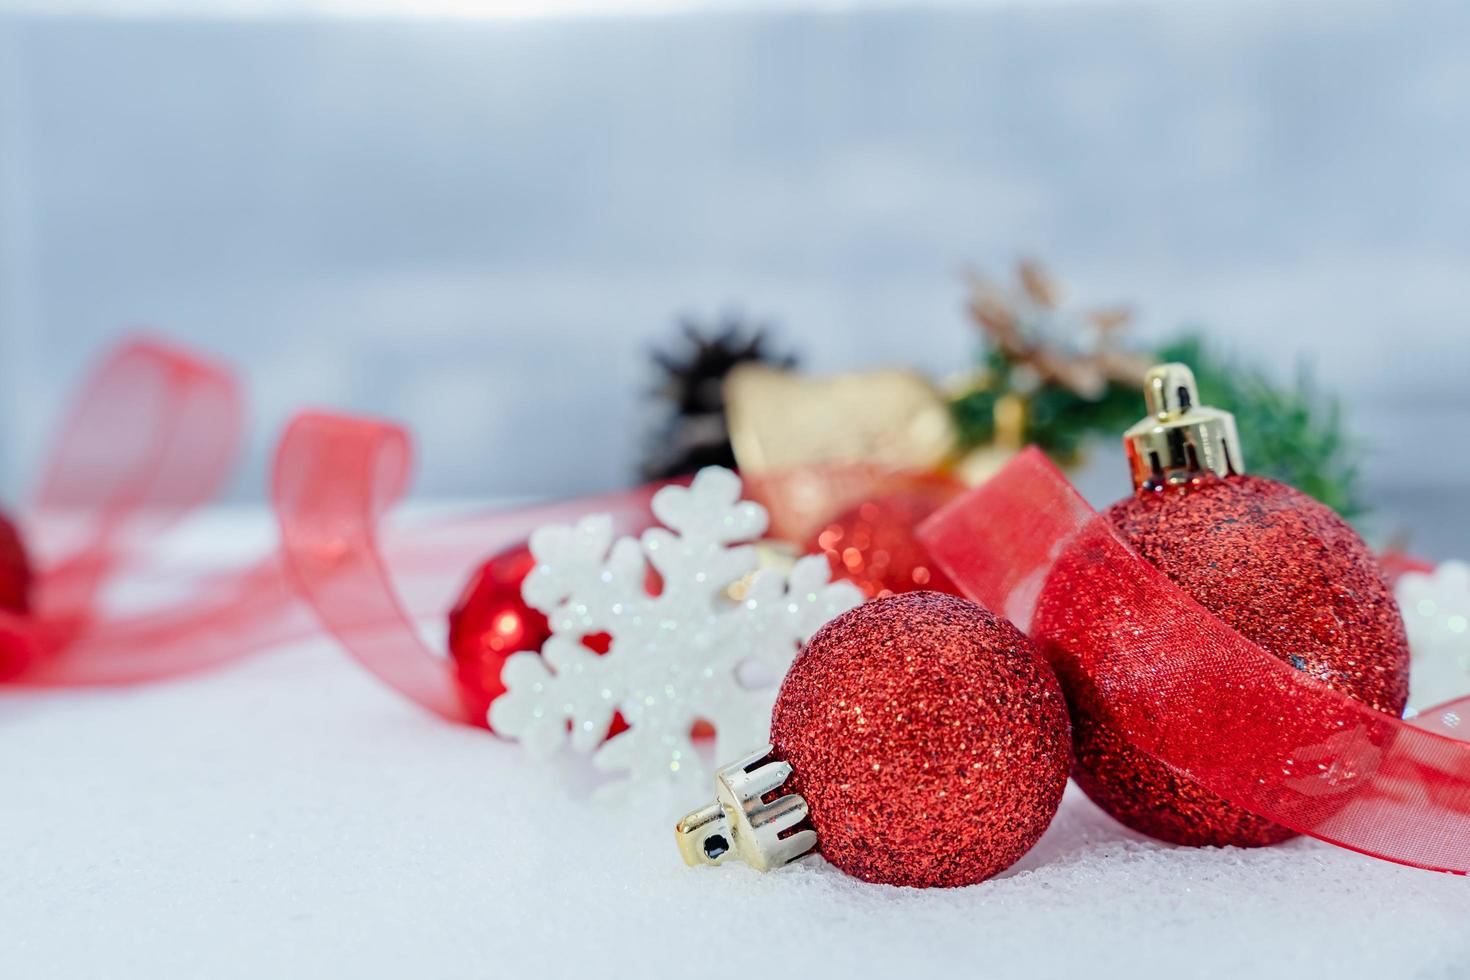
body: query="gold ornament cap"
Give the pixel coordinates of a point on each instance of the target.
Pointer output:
(741, 824)
(1181, 442)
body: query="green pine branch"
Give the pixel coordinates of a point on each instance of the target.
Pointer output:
(1293, 433)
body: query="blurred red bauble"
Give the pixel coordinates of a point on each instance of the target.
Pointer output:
(928, 738)
(489, 623)
(873, 546)
(15, 593)
(1286, 573)
(15, 570)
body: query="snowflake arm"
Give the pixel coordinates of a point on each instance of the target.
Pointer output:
(673, 658)
(539, 704)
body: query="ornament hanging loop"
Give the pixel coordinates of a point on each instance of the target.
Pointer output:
(747, 821)
(1181, 442)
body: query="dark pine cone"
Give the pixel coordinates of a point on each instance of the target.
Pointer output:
(691, 432)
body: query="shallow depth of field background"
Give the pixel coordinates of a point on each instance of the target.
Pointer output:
(478, 225)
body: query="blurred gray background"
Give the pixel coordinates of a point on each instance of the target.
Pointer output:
(479, 226)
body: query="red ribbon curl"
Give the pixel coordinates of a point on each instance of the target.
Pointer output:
(150, 436)
(381, 591)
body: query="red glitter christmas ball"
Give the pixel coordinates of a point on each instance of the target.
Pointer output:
(489, 623)
(1286, 573)
(15, 570)
(928, 737)
(874, 547)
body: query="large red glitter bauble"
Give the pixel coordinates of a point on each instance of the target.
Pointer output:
(1286, 573)
(489, 623)
(928, 737)
(873, 546)
(15, 570)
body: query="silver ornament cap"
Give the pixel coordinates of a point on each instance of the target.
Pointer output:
(741, 824)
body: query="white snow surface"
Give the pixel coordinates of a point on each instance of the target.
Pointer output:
(289, 817)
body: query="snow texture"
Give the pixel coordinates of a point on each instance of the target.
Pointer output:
(676, 657)
(1436, 607)
(289, 817)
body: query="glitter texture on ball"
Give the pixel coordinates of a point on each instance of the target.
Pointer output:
(928, 737)
(1286, 573)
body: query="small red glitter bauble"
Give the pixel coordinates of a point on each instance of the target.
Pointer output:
(15, 570)
(928, 737)
(1286, 573)
(873, 546)
(489, 623)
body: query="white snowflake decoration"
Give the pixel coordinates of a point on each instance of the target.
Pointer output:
(1436, 608)
(675, 657)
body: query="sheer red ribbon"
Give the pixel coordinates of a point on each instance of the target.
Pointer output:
(383, 592)
(1196, 695)
(150, 436)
